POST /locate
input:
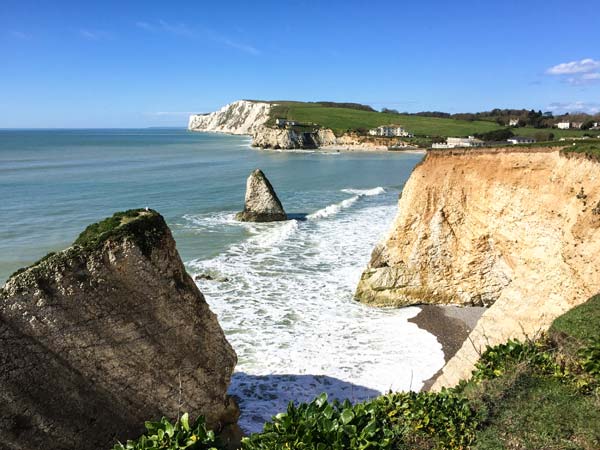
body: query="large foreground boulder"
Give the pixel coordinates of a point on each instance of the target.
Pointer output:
(109, 333)
(261, 203)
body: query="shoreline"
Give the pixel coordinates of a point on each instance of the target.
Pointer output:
(451, 325)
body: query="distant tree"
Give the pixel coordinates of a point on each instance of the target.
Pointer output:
(587, 124)
(389, 111)
(543, 136)
(496, 135)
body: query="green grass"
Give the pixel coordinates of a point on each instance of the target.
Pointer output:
(531, 132)
(590, 149)
(341, 120)
(582, 322)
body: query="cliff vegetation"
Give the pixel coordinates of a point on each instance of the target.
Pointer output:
(521, 395)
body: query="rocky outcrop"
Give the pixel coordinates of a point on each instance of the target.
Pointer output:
(241, 117)
(261, 203)
(290, 138)
(109, 333)
(252, 117)
(506, 228)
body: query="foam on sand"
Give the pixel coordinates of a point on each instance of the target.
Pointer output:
(287, 308)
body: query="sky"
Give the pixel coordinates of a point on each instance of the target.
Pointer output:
(137, 64)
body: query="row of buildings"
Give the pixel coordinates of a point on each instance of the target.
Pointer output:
(472, 141)
(389, 131)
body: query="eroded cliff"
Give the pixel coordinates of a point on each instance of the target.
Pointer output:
(241, 117)
(517, 230)
(252, 118)
(105, 335)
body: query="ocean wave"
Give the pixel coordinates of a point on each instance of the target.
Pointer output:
(368, 192)
(331, 210)
(335, 208)
(284, 298)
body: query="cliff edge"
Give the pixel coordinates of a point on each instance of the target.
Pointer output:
(105, 335)
(517, 230)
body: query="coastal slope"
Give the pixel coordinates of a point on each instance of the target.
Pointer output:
(517, 230)
(257, 119)
(105, 335)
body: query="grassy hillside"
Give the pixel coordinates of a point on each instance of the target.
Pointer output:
(341, 120)
(533, 395)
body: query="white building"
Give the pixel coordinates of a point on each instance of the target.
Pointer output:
(285, 122)
(513, 122)
(390, 131)
(563, 125)
(454, 142)
(577, 125)
(521, 140)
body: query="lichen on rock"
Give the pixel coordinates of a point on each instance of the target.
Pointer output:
(107, 334)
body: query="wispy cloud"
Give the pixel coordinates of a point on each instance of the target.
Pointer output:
(181, 29)
(577, 72)
(574, 107)
(95, 35)
(235, 45)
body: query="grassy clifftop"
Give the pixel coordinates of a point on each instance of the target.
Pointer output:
(341, 120)
(344, 117)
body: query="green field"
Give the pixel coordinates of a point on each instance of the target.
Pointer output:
(341, 120)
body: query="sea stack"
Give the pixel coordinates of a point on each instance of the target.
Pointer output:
(261, 203)
(107, 334)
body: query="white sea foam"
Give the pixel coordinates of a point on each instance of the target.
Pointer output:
(368, 192)
(287, 309)
(335, 208)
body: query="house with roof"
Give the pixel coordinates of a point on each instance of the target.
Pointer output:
(389, 131)
(521, 140)
(563, 125)
(455, 142)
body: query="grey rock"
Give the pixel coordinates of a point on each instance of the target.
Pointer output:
(105, 335)
(261, 203)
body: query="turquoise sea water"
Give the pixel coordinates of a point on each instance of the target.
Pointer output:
(283, 291)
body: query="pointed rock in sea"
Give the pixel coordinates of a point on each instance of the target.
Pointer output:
(261, 203)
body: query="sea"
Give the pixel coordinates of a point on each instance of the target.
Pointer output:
(283, 292)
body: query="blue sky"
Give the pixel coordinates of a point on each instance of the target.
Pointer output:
(129, 63)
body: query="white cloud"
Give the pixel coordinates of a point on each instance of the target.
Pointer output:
(577, 72)
(574, 107)
(583, 66)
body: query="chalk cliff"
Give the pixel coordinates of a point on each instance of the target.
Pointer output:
(517, 230)
(250, 118)
(241, 117)
(105, 335)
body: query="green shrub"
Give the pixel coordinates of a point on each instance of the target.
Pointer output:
(495, 361)
(393, 421)
(164, 435)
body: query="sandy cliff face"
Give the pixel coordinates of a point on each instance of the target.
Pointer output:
(517, 230)
(96, 340)
(241, 117)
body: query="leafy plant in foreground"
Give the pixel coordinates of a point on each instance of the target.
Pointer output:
(164, 435)
(393, 421)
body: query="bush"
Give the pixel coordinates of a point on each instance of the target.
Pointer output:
(164, 435)
(394, 421)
